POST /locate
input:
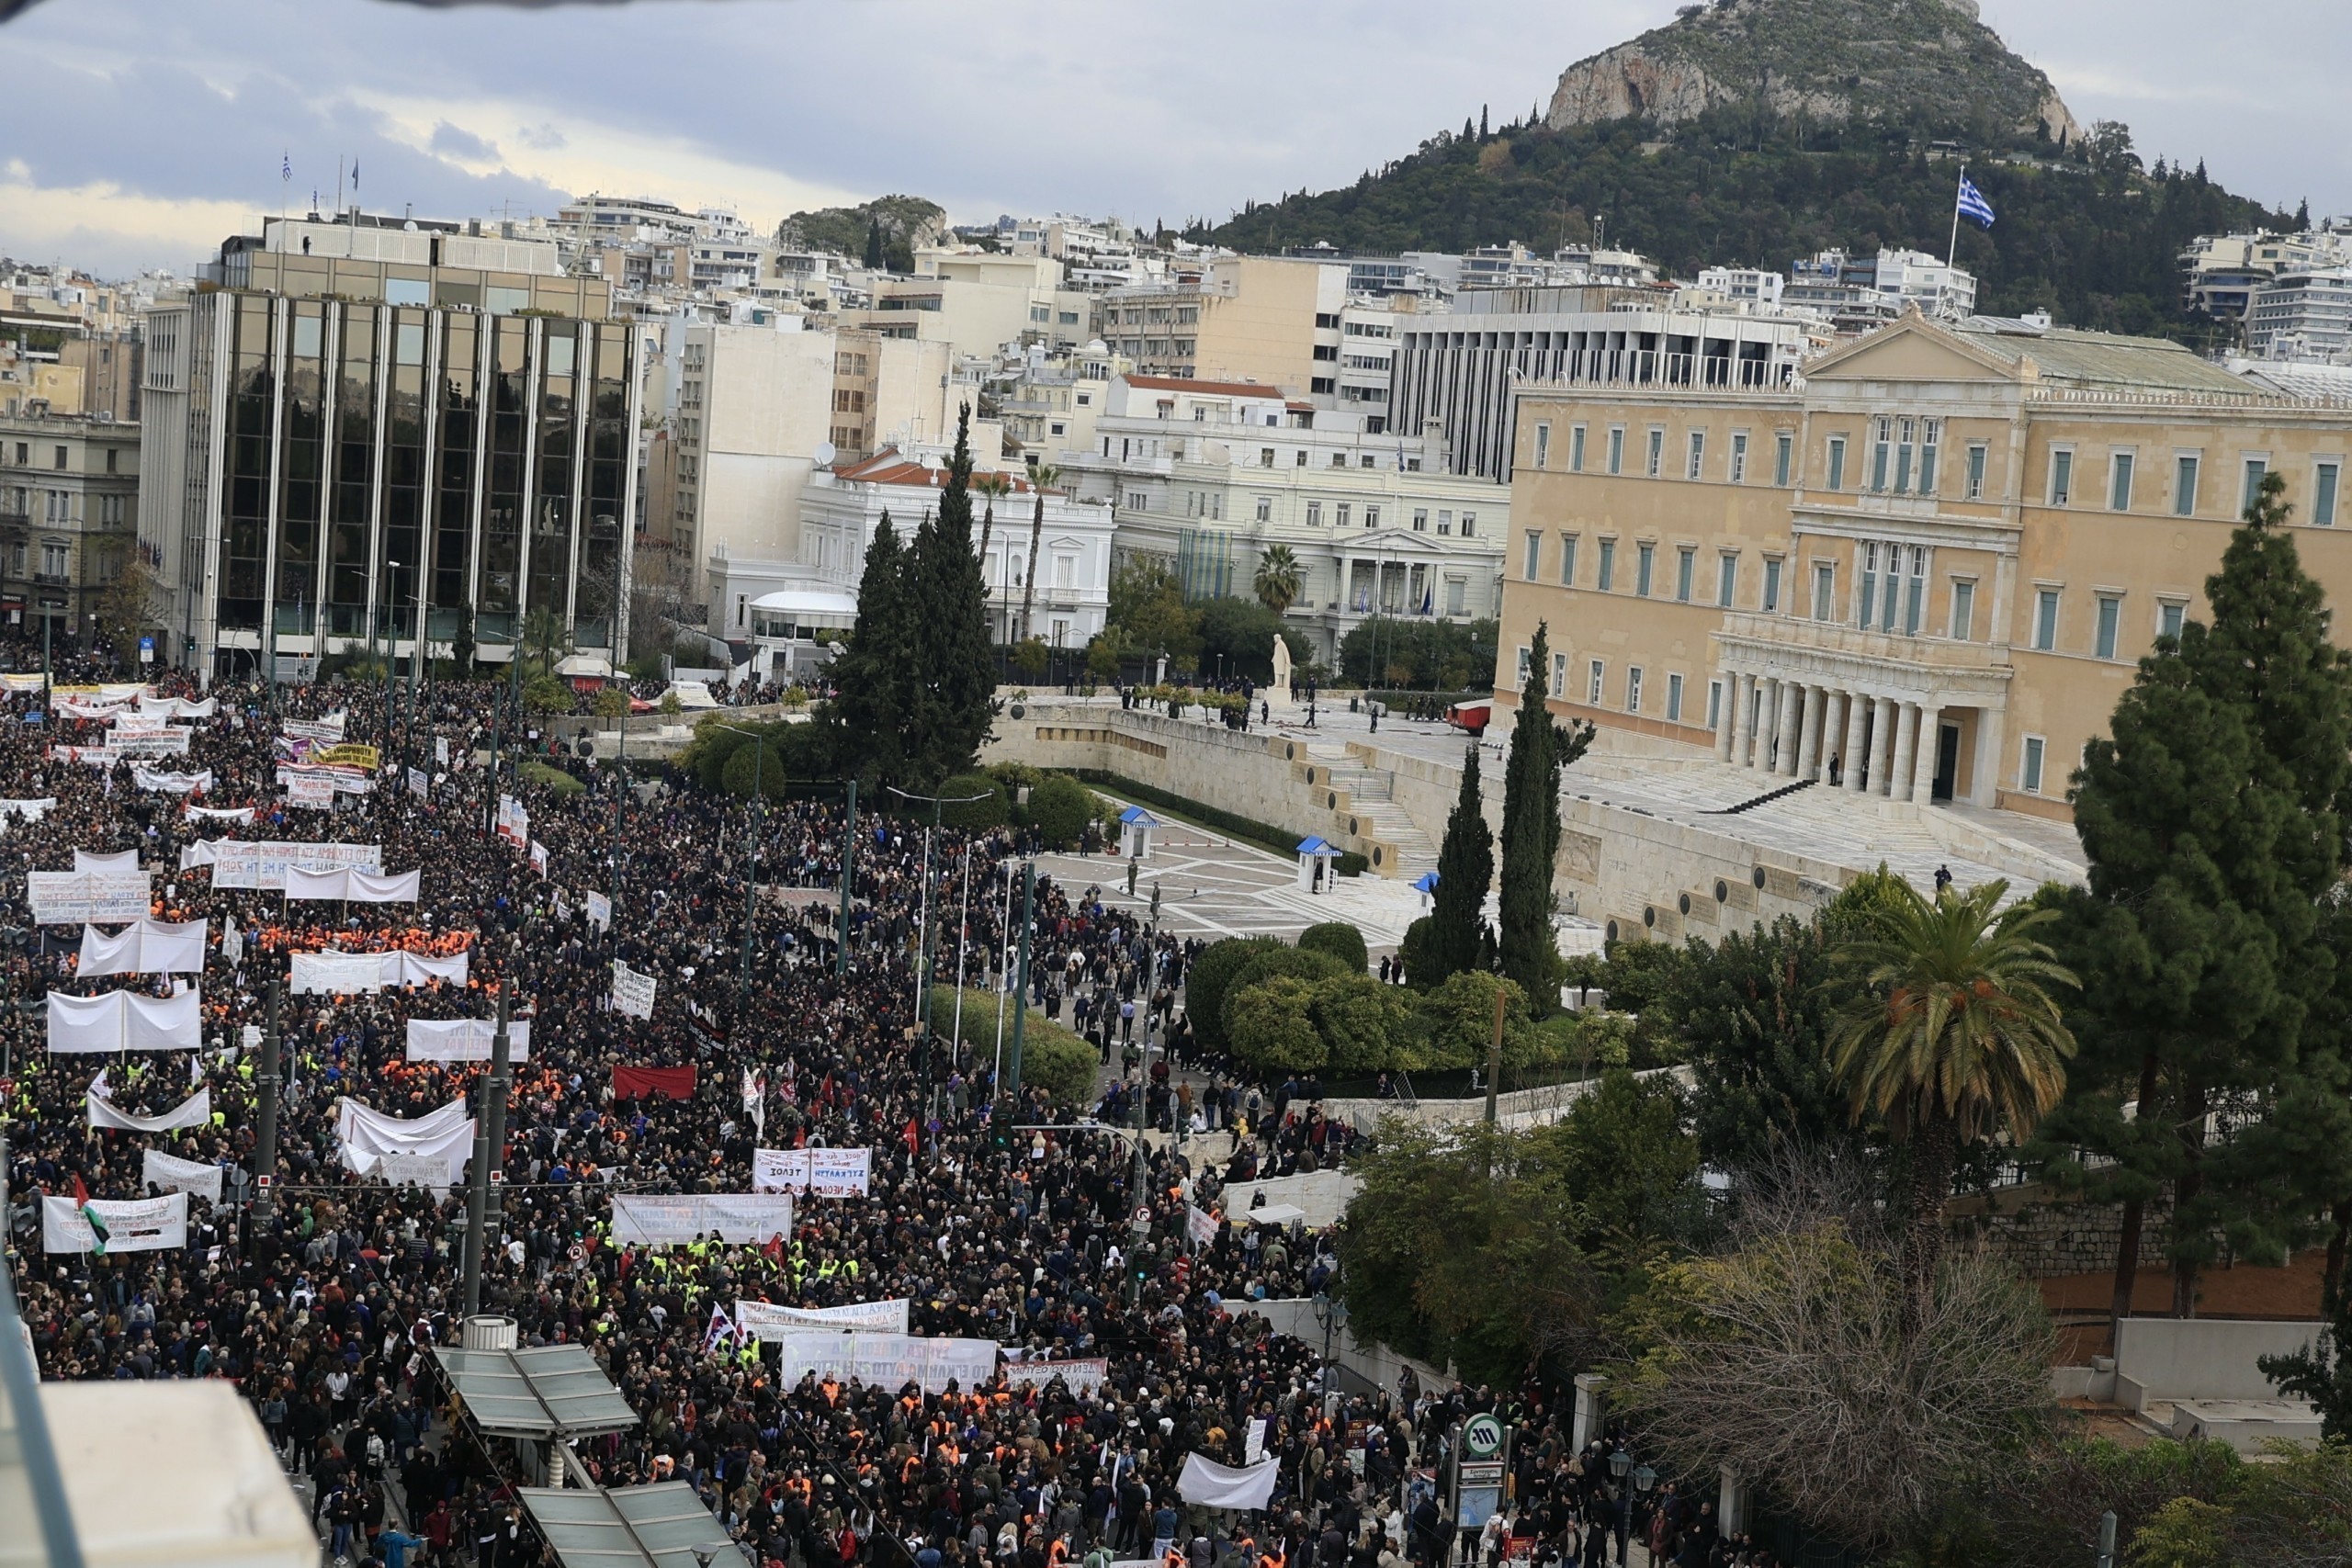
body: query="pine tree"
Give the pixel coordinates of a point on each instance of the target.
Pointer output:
(2213, 821)
(1466, 869)
(1540, 748)
(875, 678)
(1483, 132)
(875, 255)
(955, 671)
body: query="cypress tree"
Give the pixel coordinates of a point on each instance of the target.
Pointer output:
(2214, 821)
(1540, 748)
(1466, 869)
(875, 255)
(875, 678)
(948, 611)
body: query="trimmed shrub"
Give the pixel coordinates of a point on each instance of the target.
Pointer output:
(980, 814)
(1415, 950)
(1059, 809)
(1339, 939)
(1460, 1015)
(1211, 977)
(1273, 1028)
(754, 764)
(1350, 863)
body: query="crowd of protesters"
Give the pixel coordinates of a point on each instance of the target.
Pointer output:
(324, 1303)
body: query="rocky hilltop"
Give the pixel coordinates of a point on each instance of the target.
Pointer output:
(1928, 62)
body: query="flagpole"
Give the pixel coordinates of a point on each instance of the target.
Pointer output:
(1953, 248)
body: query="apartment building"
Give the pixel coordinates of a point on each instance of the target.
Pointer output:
(2220, 273)
(2304, 314)
(1275, 321)
(1454, 373)
(979, 302)
(364, 446)
(69, 510)
(1924, 571)
(1204, 475)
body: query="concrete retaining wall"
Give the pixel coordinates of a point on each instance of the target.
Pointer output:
(1369, 1359)
(2177, 1359)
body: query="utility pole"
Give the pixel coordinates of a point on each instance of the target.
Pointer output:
(1008, 1092)
(922, 941)
(266, 1144)
(848, 868)
(489, 1139)
(1495, 1056)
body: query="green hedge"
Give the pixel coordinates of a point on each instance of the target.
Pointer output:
(1264, 835)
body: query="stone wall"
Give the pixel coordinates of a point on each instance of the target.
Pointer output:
(2042, 1235)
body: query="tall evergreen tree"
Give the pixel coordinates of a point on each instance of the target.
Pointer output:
(875, 678)
(1540, 748)
(875, 254)
(1466, 869)
(953, 672)
(2213, 821)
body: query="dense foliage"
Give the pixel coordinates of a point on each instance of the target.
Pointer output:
(1417, 654)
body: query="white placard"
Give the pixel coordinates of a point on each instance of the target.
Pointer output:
(413, 1170)
(311, 791)
(124, 1021)
(1084, 1376)
(239, 862)
(650, 1220)
(888, 1360)
(763, 1320)
(418, 783)
(600, 911)
(822, 1173)
(145, 947)
(441, 751)
(68, 897)
(140, 1224)
(465, 1038)
(200, 1178)
(352, 887)
(632, 992)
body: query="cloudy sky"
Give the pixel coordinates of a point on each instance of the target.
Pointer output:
(140, 132)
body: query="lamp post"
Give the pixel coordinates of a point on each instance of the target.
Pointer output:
(922, 926)
(1331, 1312)
(1620, 1464)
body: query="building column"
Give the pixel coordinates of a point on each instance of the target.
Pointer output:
(1768, 723)
(1726, 710)
(1784, 762)
(1743, 693)
(1882, 745)
(1832, 731)
(1809, 733)
(1907, 747)
(1857, 710)
(1923, 777)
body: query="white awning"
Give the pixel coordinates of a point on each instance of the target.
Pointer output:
(825, 606)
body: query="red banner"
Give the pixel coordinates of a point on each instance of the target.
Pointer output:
(640, 1083)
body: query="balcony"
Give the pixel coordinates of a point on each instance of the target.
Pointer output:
(1832, 653)
(52, 579)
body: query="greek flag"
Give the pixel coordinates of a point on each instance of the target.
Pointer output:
(1973, 203)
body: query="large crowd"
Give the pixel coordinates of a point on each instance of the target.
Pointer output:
(323, 1303)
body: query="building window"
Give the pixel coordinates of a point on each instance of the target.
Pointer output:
(1576, 448)
(1881, 451)
(1964, 609)
(2184, 487)
(2030, 770)
(1868, 597)
(1783, 452)
(1534, 554)
(2255, 468)
(53, 561)
(1372, 516)
(1521, 683)
(1931, 435)
(2119, 482)
(1593, 688)
(2110, 618)
(1645, 557)
(1634, 689)
(1542, 445)
(1698, 455)
(2045, 619)
(1825, 591)
(111, 455)
(1265, 509)
(1837, 462)
(1445, 522)
(1420, 520)
(1617, 449)
(2323, 485)
(1976, 453)
(1265, 456)
(1560, 676)
(1714, 705)
(1339, 515)
(1772, 586)
(1914, 602)
(1457, 590)
(1726, 579)
(1739, 457)
(1315, 514)
(1567, 560)
(1657, 459)
(1300, 457)
(1686, 566)
(2062, 477)
(59, 461)
(1608, 564)
(1469, 524)
(2170, 613)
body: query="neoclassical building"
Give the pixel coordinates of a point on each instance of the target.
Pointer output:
(1923, 571)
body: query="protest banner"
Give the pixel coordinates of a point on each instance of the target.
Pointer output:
(632, 992)
(761, 1320)
(644, 1218)
(888, 1361)
(139, 1224)
(199, 1178)
(70, 897)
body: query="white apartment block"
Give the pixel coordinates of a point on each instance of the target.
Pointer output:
(2304, 314)
(1206, 475)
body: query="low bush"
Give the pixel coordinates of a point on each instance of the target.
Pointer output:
(1339, 939)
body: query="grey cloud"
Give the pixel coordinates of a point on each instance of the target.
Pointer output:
(455, 143)
(541, 138)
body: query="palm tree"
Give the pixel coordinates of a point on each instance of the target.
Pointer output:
(991, 485)
(1953, 1035)
(1279, 578)
(1042, 476)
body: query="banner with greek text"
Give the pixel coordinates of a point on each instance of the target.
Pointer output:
(600, 911)
(196, 1110)
(763, 1320)
(71, 897)
(632, 992)
(888, 1360)
(645, 1219)
(823, 1173)
(199, 1178)
(465, 1038)
(139, 1224)
(238, 862)
(1082, 1376)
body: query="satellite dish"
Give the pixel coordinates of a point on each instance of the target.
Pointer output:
(826, 453)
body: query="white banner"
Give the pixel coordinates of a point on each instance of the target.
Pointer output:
(72, 897)
(356, 886)
(1082, 1376)
(200, 1178)
(239, 862)
(142, 1224)
(763, 1320)
(145, 947)
(313, 792)
(888, 1360)
(600, 911)
(649, 1220)
(465, 1038)
(217, 814)
(328, 731)
(513, 823)
(176, 707)
(122, 860)
(128, 743)
(1208, 1484)
(196, 1110)
(415, 1171)
(632, 992)
(30, 810)
(446, 1134)
(124, 1021)
(824, 1173)
(345, 973)
(172, 783)
(417, 783)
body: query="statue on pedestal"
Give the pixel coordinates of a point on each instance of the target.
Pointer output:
(1279, 692)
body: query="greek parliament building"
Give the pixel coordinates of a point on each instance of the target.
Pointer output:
(385, 428)
(1924, 570)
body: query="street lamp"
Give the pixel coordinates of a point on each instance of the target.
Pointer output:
(1331, 1312)
(1621, 1463)
(922, 927)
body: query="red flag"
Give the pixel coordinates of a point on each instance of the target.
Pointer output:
(82, 1194)
(800, 1137)
(912, 1136)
